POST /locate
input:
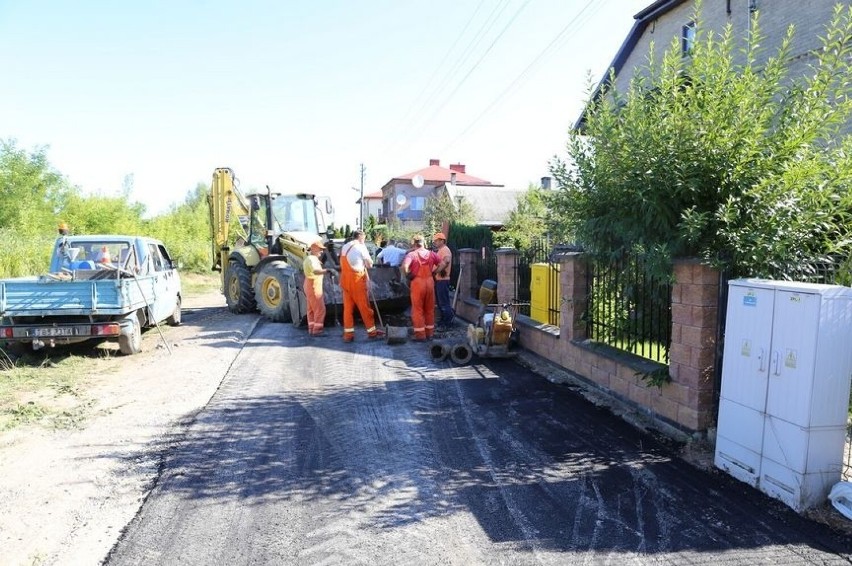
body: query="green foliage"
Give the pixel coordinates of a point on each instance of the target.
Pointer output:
(716, 156)
(23, 254)
(527, 223)
(375, 232)
(656, 378)
(185, 229)
(442, 209)
(98, 214)
(31, 192)
(34, 199)
(466, 236)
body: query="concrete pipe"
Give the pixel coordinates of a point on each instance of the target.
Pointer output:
(461, 354)
(439, 352)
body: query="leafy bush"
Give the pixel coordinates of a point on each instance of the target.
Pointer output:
(736, 163)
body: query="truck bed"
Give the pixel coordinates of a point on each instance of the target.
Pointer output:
(86, 294)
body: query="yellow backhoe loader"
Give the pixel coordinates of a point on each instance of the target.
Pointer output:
(260, 240)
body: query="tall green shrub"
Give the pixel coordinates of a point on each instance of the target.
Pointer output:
(703, 156)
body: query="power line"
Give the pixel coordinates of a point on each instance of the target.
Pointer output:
(517, 81)
(441, 64)
(481, 58)
(489, 22)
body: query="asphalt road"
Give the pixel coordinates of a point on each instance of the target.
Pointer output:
(316, 452)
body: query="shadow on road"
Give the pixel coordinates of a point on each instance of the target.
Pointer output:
(533, 462)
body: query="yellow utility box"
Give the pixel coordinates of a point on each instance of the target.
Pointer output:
(544, 292)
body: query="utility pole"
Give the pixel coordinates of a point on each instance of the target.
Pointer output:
(361, 219)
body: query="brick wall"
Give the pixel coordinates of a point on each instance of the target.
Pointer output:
(687, 403)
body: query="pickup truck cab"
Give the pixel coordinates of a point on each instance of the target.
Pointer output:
(101, 287)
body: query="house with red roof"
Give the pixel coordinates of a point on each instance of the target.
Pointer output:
(404, 197)
(372, 206)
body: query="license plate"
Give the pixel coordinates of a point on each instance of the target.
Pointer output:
(54, 331)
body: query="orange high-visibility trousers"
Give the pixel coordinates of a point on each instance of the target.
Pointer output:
(423, 305)
(354, 287)
(316, 305)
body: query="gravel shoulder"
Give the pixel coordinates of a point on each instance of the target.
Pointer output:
(66, 495)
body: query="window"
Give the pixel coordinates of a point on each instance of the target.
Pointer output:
(156, 258)
(687, 39)
(418, 203)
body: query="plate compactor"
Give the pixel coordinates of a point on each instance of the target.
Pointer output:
(492, 334)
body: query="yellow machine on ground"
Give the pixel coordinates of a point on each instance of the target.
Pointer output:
(260, 240)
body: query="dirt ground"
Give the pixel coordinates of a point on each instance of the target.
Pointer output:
(66, 494)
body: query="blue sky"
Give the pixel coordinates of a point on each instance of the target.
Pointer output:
(298, 94)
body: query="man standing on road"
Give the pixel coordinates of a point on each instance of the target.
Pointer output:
(421, 263)
(354, 262)
(442, 281)
(314, 273)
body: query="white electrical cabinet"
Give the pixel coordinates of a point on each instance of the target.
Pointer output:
(784, 399)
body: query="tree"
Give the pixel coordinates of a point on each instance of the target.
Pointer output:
(527, 222)
(442, 209)
(739, 164)
(185, 229)
(31, 192)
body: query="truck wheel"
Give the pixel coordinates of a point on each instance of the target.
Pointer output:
(272, 291)
(130, 342)
(238, 292)
(175, 319)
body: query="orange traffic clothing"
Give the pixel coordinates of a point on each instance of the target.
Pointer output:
(422, 262)
(313, 292)
(355, 295)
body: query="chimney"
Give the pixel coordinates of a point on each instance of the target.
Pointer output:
(458, 167)
(434, 162)
(545, 183)
(453, 178)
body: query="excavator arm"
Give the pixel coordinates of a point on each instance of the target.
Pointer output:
(224, 201)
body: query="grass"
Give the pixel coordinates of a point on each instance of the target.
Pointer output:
(45, 388)
(654, 351)
(200, 283)
(39, 388)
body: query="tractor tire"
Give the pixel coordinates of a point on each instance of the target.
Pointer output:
(239, 295)
(272, 291)
(298, 302)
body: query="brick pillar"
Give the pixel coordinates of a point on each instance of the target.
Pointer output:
(507, 267)
(692, 358)
(575, 294)
(468, 277)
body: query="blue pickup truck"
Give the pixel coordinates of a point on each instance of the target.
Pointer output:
(97, 288)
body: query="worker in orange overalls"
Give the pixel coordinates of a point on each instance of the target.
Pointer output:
(314, 273)
(422, 263)
(354, 261)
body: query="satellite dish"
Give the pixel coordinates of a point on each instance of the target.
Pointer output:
(400, 199)
(417, 181)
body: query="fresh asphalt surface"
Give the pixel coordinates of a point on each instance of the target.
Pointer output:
(316, 452)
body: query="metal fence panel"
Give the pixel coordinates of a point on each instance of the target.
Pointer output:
(628, 309)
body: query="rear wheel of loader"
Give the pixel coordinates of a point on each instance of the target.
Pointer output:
(238, 292)
(298, 301)
(272, 291)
